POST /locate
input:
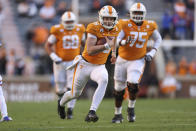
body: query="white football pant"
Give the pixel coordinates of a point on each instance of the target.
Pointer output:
(63, 79)
(3, 106)
(127, 71)
(84, 71)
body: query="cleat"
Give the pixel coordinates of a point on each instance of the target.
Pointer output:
(91, 116)
(69, 113)
(131, 115)
(6, 119)
(61, 110)
(118, 118)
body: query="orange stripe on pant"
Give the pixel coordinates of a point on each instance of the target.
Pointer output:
(73, 79)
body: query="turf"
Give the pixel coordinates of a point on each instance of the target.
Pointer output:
(152, 115)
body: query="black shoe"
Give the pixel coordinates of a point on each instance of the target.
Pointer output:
(131, 114)
(91, 116)
(117, 118)
(69, 113)
(61, 110)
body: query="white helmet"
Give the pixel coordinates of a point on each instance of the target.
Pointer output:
(137, 7)
(66, 17)
(108, 11)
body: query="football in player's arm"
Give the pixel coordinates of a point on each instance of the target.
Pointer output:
(132, 56)
(91, 64)
(63, 46)
(3, 106)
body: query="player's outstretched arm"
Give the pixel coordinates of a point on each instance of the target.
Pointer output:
(157, 42)
(50, 50)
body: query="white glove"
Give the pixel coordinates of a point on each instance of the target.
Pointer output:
(55, 58)
(127, 41)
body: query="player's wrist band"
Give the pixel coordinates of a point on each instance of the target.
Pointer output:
(107, 46)
(154, 48)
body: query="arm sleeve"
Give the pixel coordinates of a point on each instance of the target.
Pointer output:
(83, 37)
(52, 39)
(157, 39)
(120, 37)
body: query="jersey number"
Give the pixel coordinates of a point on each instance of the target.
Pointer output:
(70, 42)
(138, 36)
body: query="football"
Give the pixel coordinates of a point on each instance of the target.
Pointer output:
(101, 41)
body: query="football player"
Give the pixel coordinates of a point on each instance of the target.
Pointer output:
(62, 46)
(3, 106)
(132, 57)
(91, 65)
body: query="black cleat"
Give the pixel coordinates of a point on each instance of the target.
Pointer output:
(69, 113)
(91, 116)
(61, 110)
(118, 118)
(131, 114)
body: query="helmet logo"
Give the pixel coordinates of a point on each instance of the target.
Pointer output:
(110, 10)
(138, 5)
(69, 15)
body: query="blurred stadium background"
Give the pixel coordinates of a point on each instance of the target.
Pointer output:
(27, 69)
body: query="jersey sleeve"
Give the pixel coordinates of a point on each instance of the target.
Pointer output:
(153, 25)
(53, 30)
(82, 28)
(122, 23)
(91, 29)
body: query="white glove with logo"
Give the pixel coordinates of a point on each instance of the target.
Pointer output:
(55, 58)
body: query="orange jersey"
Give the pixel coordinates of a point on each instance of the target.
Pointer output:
(136, 49)
(98, 30)
(68, 42)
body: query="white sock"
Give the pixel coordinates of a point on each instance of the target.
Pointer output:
(66, 97)
(71, 103)
(118, 110)
(3, 106)
(131, 103)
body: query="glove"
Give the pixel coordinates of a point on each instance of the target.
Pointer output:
(124, 42)
(55, 58)
(148, 58)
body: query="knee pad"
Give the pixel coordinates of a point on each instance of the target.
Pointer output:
(132, 88)
(119, 95)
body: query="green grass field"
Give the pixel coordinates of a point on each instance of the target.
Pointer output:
(152, 115)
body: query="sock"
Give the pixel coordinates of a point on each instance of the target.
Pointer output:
(71, 103)
(131, 103)
(118, 110)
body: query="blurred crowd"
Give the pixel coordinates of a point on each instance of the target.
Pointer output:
(178, 20)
